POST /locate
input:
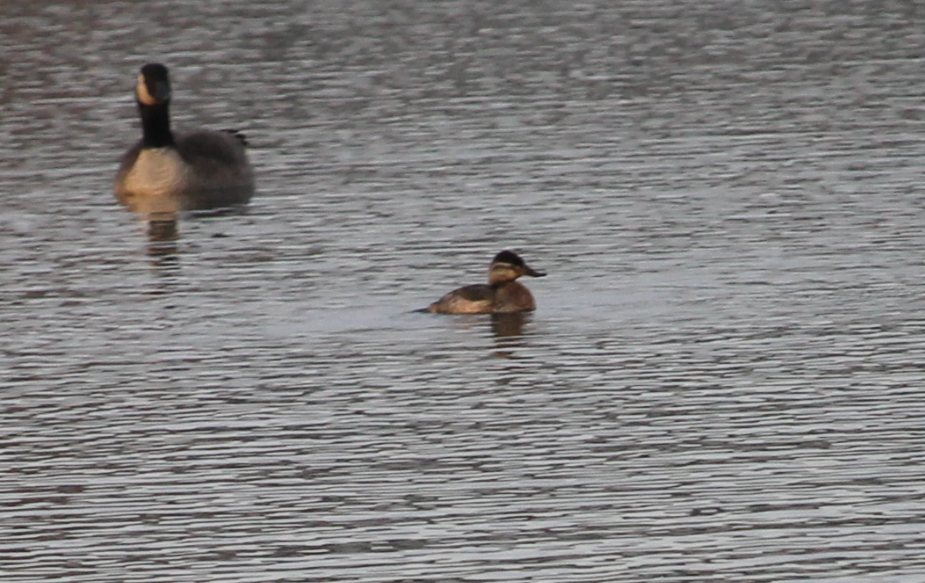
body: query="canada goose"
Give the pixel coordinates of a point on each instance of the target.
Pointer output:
(167, 172)
(501, 295)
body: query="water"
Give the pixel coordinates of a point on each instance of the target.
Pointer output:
(722, 381)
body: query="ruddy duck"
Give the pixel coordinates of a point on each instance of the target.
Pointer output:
(164, 172)
(502, 294)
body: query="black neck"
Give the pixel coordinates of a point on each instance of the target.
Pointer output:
(155, 124)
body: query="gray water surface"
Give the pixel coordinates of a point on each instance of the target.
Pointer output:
(723, 380)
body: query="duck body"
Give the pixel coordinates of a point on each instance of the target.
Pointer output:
(165, 172)
(502, 294)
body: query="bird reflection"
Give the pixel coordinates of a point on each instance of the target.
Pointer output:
(509, 325)
(508, 330)
(162, 238)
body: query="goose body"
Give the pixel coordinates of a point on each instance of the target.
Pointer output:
(167, 172)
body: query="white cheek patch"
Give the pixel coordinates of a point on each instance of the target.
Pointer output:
(141, 90)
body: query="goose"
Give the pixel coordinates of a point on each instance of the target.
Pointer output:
(166, 172)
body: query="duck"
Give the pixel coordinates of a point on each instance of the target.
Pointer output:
(502, 294)
(167, 172)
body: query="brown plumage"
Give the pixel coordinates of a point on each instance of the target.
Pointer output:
(502, 293)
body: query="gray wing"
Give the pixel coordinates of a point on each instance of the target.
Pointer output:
(221, 174)
(222, 147)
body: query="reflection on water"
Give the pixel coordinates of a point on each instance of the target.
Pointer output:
(162, 235)
(508, 330)
(508, 325)
(722, 382)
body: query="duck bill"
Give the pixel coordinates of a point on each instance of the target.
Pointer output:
(532, 272)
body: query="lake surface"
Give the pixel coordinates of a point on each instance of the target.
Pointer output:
(723, 380)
